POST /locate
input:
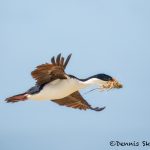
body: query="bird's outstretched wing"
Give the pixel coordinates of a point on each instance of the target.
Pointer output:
(75, 100)
(48, 72)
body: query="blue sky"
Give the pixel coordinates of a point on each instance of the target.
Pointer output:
(109, 37)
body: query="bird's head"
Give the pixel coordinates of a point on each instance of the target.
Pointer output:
(107, 82)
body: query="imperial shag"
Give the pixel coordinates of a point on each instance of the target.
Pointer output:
(52, 83)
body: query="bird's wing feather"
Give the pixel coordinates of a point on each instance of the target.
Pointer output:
(75, 100)
(48, 72)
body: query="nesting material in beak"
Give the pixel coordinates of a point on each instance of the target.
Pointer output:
(111, 85)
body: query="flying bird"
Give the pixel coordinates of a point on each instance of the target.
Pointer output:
(52, 83)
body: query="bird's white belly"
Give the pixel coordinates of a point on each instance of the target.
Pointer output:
(56, 90)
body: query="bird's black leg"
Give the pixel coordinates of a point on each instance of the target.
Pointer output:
(97, 108)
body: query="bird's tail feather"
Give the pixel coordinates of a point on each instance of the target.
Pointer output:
(16, 98)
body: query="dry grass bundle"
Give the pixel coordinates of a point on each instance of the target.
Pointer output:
(111, 84)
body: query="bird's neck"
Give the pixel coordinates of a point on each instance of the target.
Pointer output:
(90, 82)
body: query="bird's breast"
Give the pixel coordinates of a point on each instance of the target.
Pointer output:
(57, 89)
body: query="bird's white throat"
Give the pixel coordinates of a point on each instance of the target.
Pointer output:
(90, 82)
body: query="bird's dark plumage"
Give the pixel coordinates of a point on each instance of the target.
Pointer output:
(49, 72)
(102, 76)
